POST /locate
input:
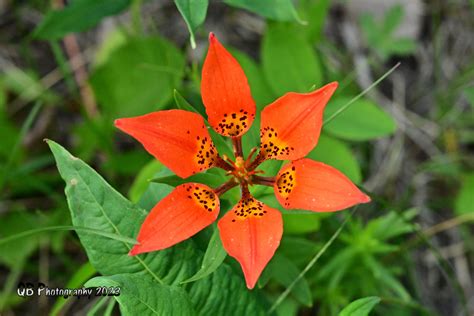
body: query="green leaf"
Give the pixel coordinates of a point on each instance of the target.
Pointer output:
(79, 16)
(392, 19)
(289, 62)
(183, 104)
(84, 273)
(126, 163)
(138, 75)
(13, 223)
(392, 225)
(338, 155)
(153, 194)
(360, 307)
(194, 14)
(113, 40)
(279, 10)
(261, 91)
(27, 85)
(315, 13)
(386, 277)
(363, 120)
(300, 223)
(209, 179)
(141, 182)
(141, 295)
(95, 204)
(400, 46)
(469, 94)
(284, 272)
(371, 30)
(299, 250)
(27, 233)
(464, 202)
(213, 258)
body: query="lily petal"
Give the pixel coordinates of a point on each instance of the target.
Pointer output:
(188, 209)
(226, 92)
(251, 233)
(177, 138)
(291, 125)
(311, 185)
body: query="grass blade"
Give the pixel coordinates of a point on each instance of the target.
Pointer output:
(58, 228)
(360, 95)
(311, 263)
(24, 129)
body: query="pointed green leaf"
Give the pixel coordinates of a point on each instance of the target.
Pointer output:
(279, 10)
(11, 224)
(141, 182)
(314, 12)
(209, 179)
(363, 120)
(79, 16)
(213, 258)
(183, 104)
(284, 272)
(78, 279)
(360, 307)
(95, 204)
(138, 77)
(392, 19)
(301, 223)
(464, 202)
(193, 13)
(140, 295)
(289, 61)
(469, 94)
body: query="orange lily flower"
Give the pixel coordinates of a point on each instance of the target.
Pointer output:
(290, 128)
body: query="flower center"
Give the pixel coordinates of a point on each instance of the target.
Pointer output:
(240, 172)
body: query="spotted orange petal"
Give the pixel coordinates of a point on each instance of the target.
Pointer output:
(291, 125)
(311, 185)
(226, 92)
(185, 211)
(177, 138)
(251, 233)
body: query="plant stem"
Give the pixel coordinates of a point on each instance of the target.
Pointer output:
(360, 95)
(256, 162)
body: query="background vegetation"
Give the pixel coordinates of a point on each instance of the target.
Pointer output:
(67, 70)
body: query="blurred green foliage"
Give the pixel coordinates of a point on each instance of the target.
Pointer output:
(133, 74)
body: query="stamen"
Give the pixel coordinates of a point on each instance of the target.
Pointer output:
(257, 161)
(223, 164)
(237, 144)
(268, 181)
(249, 158)
(225, 187)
